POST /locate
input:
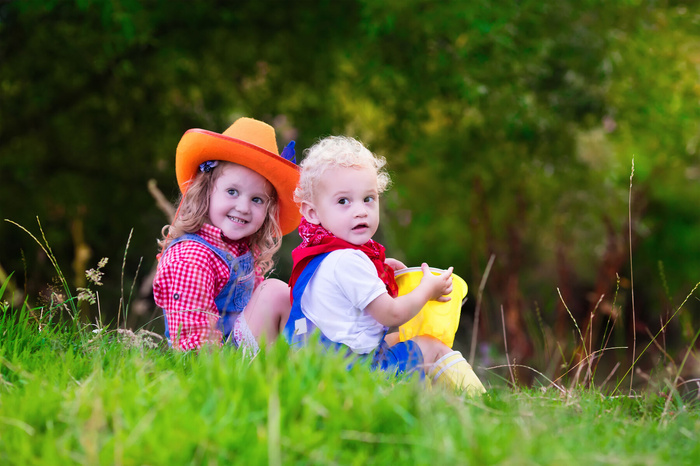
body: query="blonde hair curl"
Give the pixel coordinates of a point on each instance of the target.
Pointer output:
(337, 151)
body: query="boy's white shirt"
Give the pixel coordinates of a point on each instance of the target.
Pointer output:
(337, 295)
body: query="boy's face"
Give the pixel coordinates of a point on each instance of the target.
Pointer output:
(238, 202)
(346, 204)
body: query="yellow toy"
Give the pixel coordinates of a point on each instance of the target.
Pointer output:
(436, 319)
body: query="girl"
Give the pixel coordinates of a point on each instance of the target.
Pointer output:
(236, 205)
(342, 282)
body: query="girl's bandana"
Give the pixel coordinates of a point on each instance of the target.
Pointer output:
(317, 240)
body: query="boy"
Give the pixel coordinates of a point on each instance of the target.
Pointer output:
(341, 280)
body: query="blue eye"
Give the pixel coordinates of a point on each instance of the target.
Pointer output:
(258, 200)
(232, 192)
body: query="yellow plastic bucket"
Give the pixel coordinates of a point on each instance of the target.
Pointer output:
(436, 319)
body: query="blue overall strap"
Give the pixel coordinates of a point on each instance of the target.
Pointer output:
(234, 293)
(298, 327)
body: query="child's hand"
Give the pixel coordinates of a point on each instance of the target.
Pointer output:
(397, 311)
(439, 285)
(395, 264)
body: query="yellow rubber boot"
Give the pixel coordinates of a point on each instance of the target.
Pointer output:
(454, 372)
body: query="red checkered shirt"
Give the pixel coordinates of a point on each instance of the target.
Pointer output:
(188, 280)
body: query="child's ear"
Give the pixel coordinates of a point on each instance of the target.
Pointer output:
(309, 212)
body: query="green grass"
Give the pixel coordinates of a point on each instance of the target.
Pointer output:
(74, 393)
(69, 395)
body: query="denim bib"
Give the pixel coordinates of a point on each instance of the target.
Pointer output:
(234, 296)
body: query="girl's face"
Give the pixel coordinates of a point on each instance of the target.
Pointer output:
(239, 201)
(346, 203)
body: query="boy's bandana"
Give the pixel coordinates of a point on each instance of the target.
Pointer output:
(317, 240)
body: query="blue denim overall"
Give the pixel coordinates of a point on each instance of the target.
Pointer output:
(234, 296)
(402, 358)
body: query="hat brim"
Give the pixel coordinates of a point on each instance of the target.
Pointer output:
(199, 145)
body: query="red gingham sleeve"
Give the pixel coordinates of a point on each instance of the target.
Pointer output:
(186, 283)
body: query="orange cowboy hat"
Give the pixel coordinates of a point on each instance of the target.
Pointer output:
(250, 143)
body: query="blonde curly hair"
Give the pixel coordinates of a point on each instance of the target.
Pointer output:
(336, 151)
(194, 212)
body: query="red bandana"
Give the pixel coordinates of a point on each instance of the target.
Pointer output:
(317, 240)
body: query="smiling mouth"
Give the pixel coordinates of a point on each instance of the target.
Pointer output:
(236, 220)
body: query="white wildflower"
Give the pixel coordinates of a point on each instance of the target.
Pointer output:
(85, 294)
